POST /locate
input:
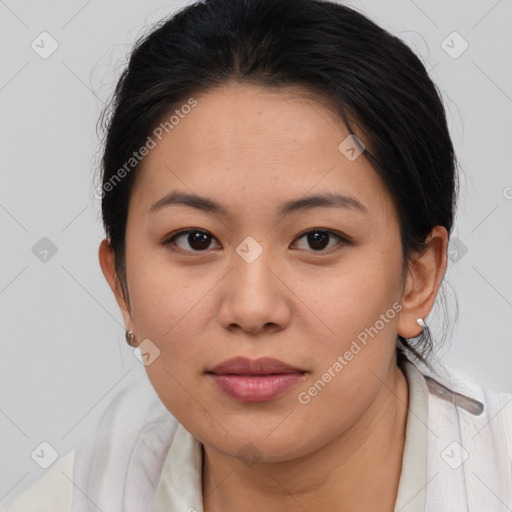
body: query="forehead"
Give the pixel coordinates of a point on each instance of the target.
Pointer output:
(253, 146)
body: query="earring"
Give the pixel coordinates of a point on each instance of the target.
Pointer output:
(130, 338)
(421, 323)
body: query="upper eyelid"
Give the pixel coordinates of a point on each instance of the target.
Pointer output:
(339, 235)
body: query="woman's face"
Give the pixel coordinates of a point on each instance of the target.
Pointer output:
(303, 285)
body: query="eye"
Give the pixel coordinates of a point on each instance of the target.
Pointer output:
(196, 239)
(319, 239)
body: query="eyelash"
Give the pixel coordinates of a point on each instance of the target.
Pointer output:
(343, 240)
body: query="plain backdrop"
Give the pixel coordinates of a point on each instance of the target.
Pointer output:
(62, 335)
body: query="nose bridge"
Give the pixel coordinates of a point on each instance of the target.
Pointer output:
(253, 295)
(251, 274)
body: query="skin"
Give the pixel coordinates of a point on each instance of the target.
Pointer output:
(252, 149)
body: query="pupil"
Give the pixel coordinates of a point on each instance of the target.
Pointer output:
(318, 238)
(198, 240)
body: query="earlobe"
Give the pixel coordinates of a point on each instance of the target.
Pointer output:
(107, 264)
(423, 279)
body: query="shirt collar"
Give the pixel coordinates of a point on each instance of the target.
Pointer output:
(180, 486)
(412, 487)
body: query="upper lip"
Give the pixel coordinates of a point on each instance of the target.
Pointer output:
(261, 366)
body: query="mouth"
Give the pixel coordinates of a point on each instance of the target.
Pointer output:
(255, 373)
(256, 388)
(262, 366)
(258, 380)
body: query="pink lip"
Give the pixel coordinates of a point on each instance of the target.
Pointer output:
(256, 388)
(245, 366)
(255, 380)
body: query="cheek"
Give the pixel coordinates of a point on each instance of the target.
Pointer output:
(171, 308)
(164, 295)
(359, 311)
(351, 297)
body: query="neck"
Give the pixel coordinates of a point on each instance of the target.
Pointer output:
(357, 471)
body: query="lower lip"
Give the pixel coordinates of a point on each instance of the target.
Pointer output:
(256, 388)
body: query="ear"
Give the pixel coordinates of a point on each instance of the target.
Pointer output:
(423, 279)
(107, 263)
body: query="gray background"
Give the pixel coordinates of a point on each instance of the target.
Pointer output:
(62, 336)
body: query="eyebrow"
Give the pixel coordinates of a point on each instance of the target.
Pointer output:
(327, 199)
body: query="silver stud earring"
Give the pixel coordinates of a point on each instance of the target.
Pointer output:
(130, 338)
(421, 323)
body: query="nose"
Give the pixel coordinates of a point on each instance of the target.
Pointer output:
(254, 297)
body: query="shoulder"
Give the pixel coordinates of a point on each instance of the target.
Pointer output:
(125, 447)
(50, 493)
(121, 459)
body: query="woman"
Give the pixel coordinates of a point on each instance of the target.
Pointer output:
(278, 192)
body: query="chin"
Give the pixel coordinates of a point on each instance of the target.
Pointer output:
(253, 447)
